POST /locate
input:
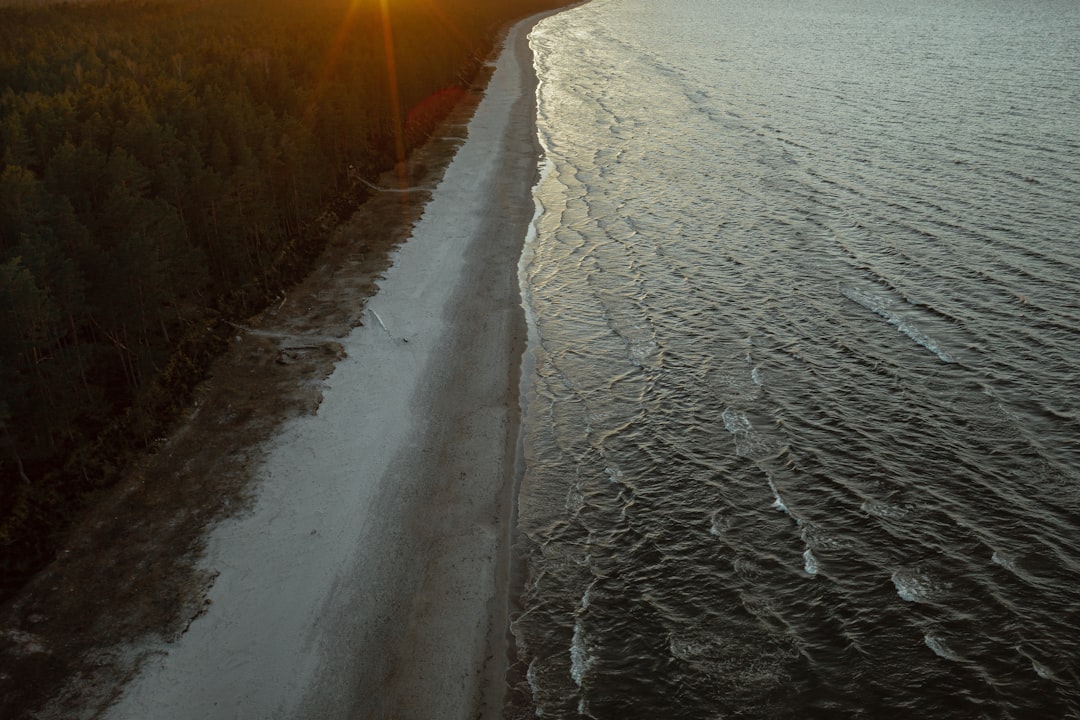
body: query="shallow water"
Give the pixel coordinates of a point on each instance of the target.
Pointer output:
(802, 429)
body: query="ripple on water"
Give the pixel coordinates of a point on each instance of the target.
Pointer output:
(800, 440)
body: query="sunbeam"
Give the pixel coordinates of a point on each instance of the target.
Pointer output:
(392, 83)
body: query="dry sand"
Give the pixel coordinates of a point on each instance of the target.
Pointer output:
(368, 575)
(370, 579)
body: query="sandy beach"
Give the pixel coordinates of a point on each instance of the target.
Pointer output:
(370, 578)
(366, 575)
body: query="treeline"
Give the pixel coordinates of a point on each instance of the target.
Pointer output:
(161, 165)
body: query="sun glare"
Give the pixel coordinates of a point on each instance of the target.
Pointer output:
(392, 82)
(350, 17)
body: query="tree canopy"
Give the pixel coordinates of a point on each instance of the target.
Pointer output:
(158, 163)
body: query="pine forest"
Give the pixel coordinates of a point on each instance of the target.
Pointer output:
(162, 167)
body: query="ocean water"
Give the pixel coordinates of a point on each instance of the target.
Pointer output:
(802, 399)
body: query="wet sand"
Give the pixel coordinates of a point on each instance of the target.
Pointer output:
(367, 574)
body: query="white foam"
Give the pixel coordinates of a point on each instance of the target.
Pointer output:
(580, 660)
(748, 442)
(810, 562)
(890, 511)
(998, 558)
(882, 307)
(640, 350)
(924, 340)
(736, 422)
(815, 537)
(718, 524)
(530, 677)
(915, 586)
(1037, 667)
(755, 375)
(940, 648)
(778, 503)
(575, 498)
(690, 649)
(906, 588)
(586, 597)
(528, 253)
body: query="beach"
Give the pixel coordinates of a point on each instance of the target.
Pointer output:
(362, 565)
(370, 578)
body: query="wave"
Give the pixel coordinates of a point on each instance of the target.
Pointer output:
(581, 659)
(736, 422)
(917, 585)
(940, 647)
(723, 312)
(1005, 561)
(883, 308)
(810, 563)
(1042, 671)
(719, 524)
(749, 443)
(778, 502)
(887, 510)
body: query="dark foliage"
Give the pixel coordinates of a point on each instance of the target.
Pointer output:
(161, 165)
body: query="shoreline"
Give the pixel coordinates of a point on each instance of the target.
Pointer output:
(252, 577)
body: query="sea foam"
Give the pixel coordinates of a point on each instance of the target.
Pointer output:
(580, 659)
(883, 308)
(914, 585)
(940, 647)
(810, 562)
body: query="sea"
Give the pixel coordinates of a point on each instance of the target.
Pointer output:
(802, 394)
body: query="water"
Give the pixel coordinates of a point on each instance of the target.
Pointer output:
(802, 429)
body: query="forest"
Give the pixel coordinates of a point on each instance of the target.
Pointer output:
(162, 169)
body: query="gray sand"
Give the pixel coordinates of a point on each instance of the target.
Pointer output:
(369, 579)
